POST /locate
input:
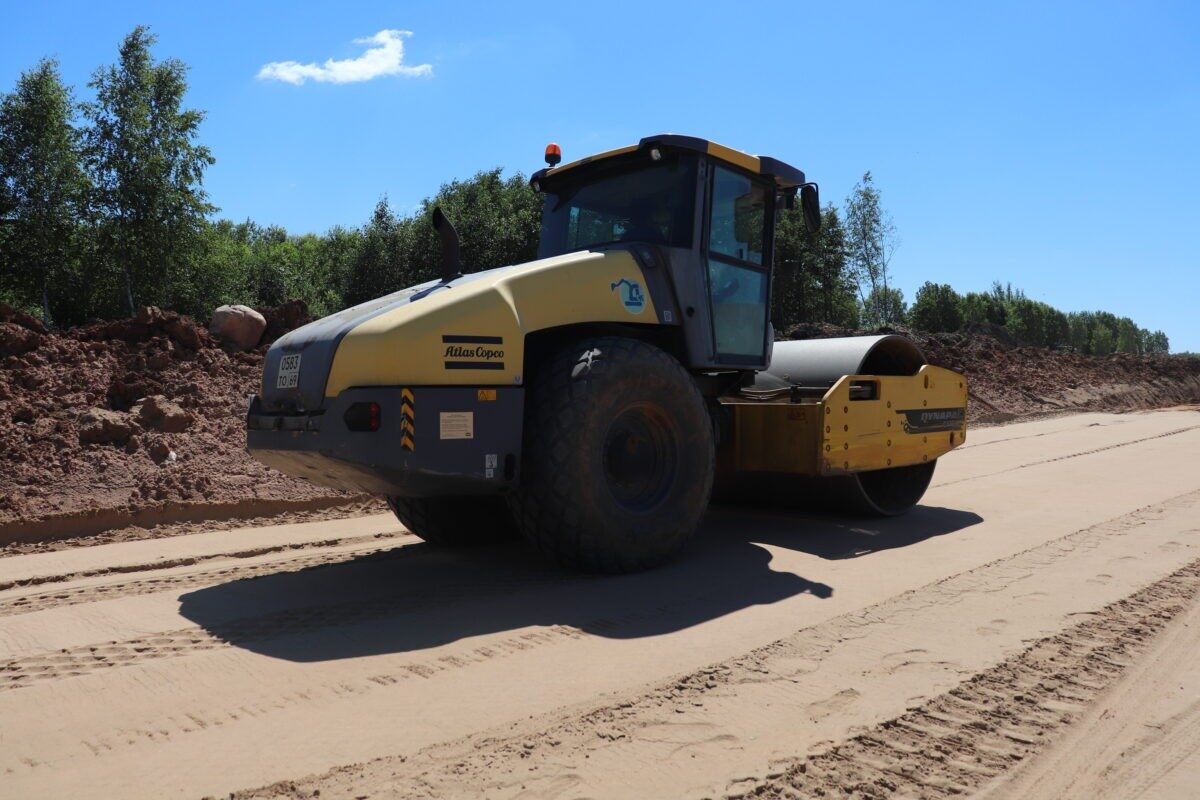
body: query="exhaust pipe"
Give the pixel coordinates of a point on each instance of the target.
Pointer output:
(451, 261)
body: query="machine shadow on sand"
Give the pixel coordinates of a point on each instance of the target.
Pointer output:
(417, 597)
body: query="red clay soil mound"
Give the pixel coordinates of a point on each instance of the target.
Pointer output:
(1007, 380)
(121, 420)
(141, 420)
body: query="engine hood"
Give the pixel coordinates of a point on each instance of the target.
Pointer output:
(466, 331)
(316, 343)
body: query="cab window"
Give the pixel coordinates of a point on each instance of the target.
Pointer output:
(737, 217)
(604, 205)
(738, 282)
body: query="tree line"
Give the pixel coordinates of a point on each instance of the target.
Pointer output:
(842, 276)
(103, 210)
(938, 308)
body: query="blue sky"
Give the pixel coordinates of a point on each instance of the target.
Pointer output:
(1053, 145)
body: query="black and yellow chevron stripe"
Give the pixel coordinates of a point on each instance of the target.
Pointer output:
(408, 429)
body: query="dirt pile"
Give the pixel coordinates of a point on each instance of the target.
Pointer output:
(116, 422)
(125, 416)
(1008, 380)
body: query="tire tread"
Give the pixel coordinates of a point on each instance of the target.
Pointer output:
(545, 508)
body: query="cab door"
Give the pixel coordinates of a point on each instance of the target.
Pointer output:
(737, 259)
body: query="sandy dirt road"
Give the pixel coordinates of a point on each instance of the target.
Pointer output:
(1029, 631)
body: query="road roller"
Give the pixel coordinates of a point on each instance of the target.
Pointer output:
(595, 400)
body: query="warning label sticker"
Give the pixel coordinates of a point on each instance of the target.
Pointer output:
(457, 424)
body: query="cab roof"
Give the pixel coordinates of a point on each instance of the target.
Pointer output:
(785, 176)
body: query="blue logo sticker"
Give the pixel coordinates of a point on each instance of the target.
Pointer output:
(631, 295)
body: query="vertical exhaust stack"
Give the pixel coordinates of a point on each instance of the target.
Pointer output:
(451, 260)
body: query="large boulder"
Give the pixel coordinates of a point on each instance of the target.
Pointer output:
(101, 426)
(240, 326)
(157, 413)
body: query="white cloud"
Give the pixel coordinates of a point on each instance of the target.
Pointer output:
(385, 56)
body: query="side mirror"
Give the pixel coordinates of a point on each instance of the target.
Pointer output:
(810, 206)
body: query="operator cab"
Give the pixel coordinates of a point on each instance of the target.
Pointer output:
(705, 212)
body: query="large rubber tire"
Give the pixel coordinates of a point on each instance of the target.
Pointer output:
(618, 456)
(455, 521)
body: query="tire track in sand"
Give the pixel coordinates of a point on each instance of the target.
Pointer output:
(960, 740)
(81, 660)
(545, 754)
(1148, 762)
(87, 659)
(86, 594)
(1069, 456)
(74, 595)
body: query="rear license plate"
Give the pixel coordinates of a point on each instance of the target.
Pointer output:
(289, 372)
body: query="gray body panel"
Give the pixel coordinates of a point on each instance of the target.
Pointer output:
(689, 277)
(377, 462)
(317, 343)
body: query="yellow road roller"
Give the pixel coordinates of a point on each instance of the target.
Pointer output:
(593, 401)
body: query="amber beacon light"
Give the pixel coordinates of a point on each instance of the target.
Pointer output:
(553, 154)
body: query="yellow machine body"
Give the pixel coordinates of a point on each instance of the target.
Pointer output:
(415, 343)
(894, 421)
(435, 391)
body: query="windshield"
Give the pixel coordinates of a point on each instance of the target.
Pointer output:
(652, 204)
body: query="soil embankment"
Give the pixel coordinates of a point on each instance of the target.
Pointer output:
(137, 421)
(140, 421)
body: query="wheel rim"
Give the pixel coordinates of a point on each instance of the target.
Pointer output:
(640, 457)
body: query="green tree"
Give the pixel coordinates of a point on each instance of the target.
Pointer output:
(870, 243)
(1129, 336)
(324, 274)
(1105, 319)
(1005, 294)
(247, 263)
(982, 307)
(1156, 342)
(224, 255)
(937, 308)
(1080, 324)
(1057, 327)
(811, 281)
(271, 265)
(1027, 321)
(374, 270)
(498, 220)
(1103, 343)
(794, 285)
(41, 187)
(881, 305)
(147, 170)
